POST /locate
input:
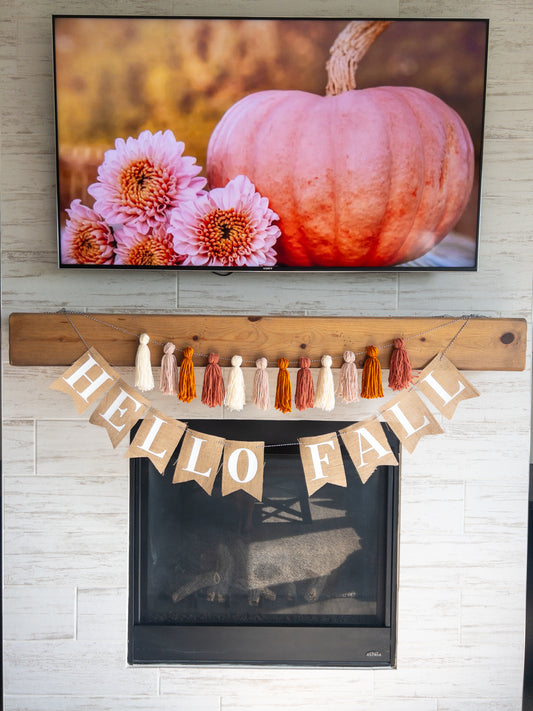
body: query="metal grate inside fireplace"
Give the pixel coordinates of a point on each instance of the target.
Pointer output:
(291, 580)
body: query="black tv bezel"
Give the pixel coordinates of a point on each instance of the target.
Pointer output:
(276, 268)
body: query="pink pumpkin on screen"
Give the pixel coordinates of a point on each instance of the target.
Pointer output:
(372, 177)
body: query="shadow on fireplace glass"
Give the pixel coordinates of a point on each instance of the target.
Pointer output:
(290, 580)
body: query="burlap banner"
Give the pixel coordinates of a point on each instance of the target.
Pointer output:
(410, 419)
(199, 459)
(86, 380)
(157, 438)
(367, 446)
(444, 386)
(322, 461)
(243, 467)
(119, 410)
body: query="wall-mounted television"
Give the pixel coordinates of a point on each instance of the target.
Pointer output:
(269, 144)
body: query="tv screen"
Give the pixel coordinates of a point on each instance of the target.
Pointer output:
(269, 144)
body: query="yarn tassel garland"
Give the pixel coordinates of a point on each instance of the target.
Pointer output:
(283, 388)
(325, 389)
(348, 385)
(168, 378)
(213, 390)
(144, 378)
(187, 383)
(261, 391)
(305, 390)
(400, 369)
(372, 386)
(235, 396)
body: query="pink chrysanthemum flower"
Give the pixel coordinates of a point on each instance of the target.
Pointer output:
(228, 227)
(142, 179)
(86, 239)
(155, 249)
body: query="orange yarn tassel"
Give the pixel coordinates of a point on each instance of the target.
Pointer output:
(371, 380)
(187, 385)
(213, 390)
(305, 389)
(283, 387)
(400, 370)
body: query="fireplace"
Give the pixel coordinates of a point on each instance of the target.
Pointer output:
(292, 580)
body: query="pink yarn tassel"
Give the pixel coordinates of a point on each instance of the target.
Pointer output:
(348, 385)
(168, 379)
(261, 394)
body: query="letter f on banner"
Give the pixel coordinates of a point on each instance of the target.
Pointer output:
(322, 461)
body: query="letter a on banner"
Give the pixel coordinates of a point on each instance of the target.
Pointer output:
(444, 385)
(199, 459)
(243, 468)
(410, 419)
(157, 438)
(322, 461)
(119, 411)
(87, 379)
(367, 446)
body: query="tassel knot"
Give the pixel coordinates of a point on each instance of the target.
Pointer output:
(235, 398)
(283, 387)
(372, 386)
(400, 370)
(187, 384)
(261, 394)
(213, 386)
(348, 385)
(325, 389)
(144, 379)
(168, 378)
(305, 389)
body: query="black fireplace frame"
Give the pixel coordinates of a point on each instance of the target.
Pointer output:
(321, 646)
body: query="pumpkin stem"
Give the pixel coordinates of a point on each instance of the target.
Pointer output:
(348, 50)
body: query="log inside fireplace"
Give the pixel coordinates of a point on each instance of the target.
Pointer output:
(290, 579)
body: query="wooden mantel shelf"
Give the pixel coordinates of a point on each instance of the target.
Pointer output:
(37, 339)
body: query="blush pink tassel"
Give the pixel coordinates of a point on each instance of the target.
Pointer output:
(348, 385)
(168, 378)
(261, 393)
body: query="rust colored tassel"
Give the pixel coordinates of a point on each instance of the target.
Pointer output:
(400, 370)
(187, 385)
(213, 390)
(371, 380)
(283, 387)
(305, 390)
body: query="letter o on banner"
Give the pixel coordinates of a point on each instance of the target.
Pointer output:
(243, 468)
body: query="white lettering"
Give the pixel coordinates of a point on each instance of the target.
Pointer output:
(193, 459)
(402, 419)
(154, 429)
(374, 445)
(441, 392)
(317, 460)
(81, 372)
(115, 407)
(233, 461)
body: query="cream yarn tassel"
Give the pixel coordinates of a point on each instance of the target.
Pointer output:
(144, 379)
(234, 399)
(325, 389)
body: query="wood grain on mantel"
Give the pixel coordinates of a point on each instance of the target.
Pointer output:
(50, 339)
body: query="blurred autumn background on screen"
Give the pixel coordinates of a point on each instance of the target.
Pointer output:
(118, 76)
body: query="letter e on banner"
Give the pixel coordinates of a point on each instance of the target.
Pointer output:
(157, 438)
(322, 461)
(444, 385)
(410, 419)
(198, 459)
(119, 411)
(367, 446)
(243, 468)
(86, 380)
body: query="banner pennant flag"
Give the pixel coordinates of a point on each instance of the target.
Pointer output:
(410, 419)
(367, 446)
(444, 386)
(157, 438)
(322, 461)
(86, 380)
(119, 410)
(198, 459)
(243, 467)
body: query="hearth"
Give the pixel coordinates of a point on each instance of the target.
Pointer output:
(292, 579)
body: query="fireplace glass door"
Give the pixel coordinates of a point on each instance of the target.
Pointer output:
(291, 579)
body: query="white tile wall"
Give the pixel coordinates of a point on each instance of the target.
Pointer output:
(464, 493)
